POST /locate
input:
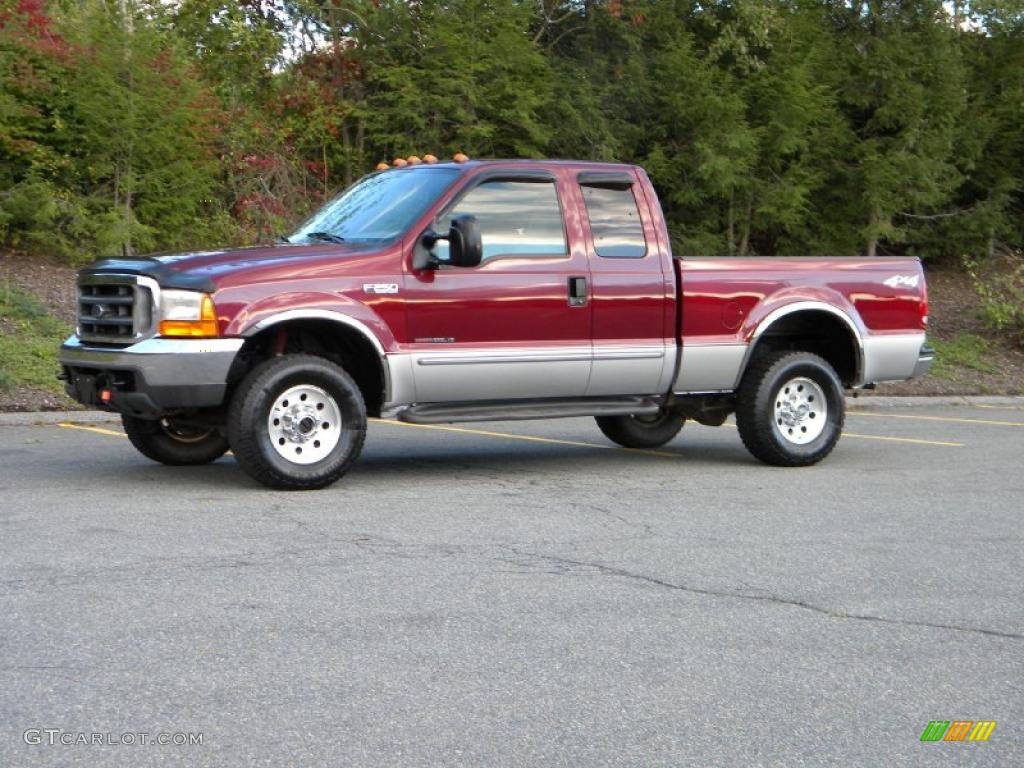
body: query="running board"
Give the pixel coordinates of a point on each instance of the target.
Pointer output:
(441, 413)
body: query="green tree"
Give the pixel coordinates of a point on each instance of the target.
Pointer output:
(456, 76)
(903, 96)
(34, 62)
(144, 130)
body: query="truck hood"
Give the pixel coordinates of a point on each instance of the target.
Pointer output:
(200, 270)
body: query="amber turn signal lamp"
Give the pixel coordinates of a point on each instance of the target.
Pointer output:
(382, 166)
(204, 327)
(459, 157)
(430, 159)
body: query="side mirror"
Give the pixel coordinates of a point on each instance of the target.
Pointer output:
(465, 245)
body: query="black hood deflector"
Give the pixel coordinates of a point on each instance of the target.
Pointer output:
(154, 268)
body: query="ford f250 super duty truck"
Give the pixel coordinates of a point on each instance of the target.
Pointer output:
(464, 291)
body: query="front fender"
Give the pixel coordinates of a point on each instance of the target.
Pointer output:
(283, 307)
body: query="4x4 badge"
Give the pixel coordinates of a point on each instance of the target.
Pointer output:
(380, 287)
(910, 281)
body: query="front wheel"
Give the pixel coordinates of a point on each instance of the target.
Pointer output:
(641, 431)
(790, 409)
(171, 441)
(297, 422)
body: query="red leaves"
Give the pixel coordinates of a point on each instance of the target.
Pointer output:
(258, 163)
(32, 28)
(259, 204)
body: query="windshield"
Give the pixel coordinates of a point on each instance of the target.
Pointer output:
(379, 207)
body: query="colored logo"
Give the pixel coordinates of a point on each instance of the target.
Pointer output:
(958, 730)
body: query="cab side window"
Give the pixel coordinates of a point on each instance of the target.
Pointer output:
(615, 222)
(517, 218)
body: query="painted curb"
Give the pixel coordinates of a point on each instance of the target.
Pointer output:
(924, 401)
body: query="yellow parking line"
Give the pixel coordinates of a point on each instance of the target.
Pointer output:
(528, 438)
(910, 440)
(950, 419)
(552, 440)
(97, 430)
(101, 431)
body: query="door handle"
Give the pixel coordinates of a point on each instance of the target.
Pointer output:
(577, 291)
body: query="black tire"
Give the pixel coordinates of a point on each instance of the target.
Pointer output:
(174, 443)
(261, 447)
(646, 431)
(777, 410)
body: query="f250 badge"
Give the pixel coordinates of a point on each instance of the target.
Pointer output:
(909, 281)
(380, 287)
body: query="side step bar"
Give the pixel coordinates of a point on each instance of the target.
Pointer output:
(441, 413)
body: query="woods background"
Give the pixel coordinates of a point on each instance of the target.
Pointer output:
(789, 127)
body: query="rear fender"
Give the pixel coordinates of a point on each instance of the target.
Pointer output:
(786, 304)
(797, 299)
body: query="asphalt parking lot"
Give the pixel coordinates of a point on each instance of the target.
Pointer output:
(521, 594)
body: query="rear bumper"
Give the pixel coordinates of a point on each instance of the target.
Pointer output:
(925, 358)
(151, 378)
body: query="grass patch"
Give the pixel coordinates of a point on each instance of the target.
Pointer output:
(964, 351)
(29, 339)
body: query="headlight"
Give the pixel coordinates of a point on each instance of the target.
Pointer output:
(187, 313)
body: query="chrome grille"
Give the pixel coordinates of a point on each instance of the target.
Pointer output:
(116, 309)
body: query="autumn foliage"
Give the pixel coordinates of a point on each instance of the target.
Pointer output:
(770, 127)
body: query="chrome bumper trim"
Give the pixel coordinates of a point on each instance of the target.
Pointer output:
(924, 362)
(170, 372)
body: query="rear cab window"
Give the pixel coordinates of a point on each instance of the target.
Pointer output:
(615, 224)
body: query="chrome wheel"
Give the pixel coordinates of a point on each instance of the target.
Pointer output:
(304, 424)
(296, 422)
(801, 411)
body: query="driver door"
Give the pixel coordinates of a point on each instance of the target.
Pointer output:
(518, 326)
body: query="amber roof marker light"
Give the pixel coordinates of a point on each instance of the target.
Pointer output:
(428, 159)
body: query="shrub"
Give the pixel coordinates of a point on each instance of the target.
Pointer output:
(1000, 288)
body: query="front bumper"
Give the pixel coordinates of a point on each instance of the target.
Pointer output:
(150, 378)
(925, 358)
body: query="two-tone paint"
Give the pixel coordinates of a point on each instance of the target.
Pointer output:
(508, 329)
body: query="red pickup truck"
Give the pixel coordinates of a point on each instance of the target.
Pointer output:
(464, 291)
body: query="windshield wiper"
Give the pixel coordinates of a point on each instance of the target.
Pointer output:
(329, 237)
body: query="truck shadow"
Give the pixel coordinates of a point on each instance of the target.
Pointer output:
(418, 463)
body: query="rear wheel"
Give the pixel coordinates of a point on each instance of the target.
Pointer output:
(641, 430)
(297, 422)
(174, 442)
(790, 409)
